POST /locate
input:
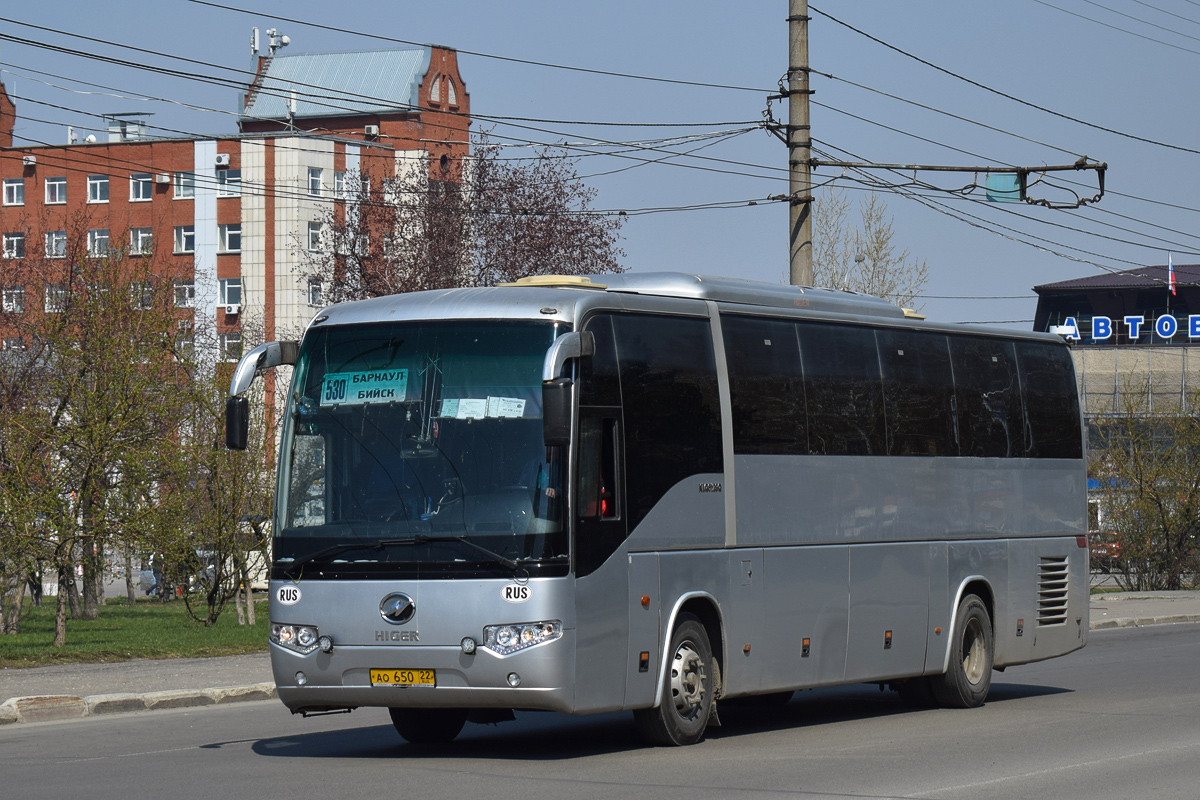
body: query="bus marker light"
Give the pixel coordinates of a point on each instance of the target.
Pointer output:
(514, 680)
(804, 647)
(644, 661)
(746, 649)
(645, 601)
(325, 643)
(937, 631)
(887, 640)
(467, 645)
(301, 678)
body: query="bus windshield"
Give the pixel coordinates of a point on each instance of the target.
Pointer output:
(417, 447)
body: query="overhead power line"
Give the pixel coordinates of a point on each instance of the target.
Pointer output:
(478, 54)
(999, 93)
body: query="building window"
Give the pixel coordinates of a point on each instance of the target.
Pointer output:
(185, 238)
(14, 300)
(14, 245)
(231, 292)
(229, 183)
(56, 298)
(14, 191)
(435, 91)
(141, 241)
(141, 187)
(56, 191)
(185, 294)
(339, 185)
(451, 96)
(314, 292)
(229, 238)
(13, 343)
(56, 244)
(314, 181)
(141, 295)
(97, 188)
(314, 236)
(231, 346)
(97, 242)
(185, 185)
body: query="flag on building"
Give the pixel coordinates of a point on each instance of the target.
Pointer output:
(1170, 274)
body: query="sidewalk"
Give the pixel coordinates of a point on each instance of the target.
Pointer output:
(74, 691)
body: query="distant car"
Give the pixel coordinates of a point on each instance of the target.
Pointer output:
(1105, 549)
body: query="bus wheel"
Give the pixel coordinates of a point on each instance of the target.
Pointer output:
(687, 701)
(966, 683)
(428, 725)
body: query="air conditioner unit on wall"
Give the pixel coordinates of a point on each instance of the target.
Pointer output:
(29, 161)
(162, 177)
(222, 159)
(371, 130)
(233, 308)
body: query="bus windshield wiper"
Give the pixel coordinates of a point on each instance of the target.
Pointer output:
(349, 546)
(499, 559)
(409, 540)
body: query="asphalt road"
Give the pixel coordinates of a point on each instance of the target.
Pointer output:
(1119, 719)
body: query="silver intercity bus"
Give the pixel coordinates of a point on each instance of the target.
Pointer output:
(658, 492)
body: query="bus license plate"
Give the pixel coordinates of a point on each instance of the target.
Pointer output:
(403, 677)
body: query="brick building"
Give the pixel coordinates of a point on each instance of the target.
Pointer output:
(234, 212)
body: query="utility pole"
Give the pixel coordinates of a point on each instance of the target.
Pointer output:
(799, 142)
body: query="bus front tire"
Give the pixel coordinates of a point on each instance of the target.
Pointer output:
(687, 699)
(966, 682)
(428, 725)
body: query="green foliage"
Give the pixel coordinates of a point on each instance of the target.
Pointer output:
(1150, 470)
(148, 629)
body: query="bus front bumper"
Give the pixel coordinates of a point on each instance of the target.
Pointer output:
(543, 676)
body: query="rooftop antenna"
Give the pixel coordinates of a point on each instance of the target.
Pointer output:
(254, 41)
(276, 40)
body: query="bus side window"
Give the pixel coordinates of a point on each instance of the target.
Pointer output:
(1053, 428)
(599, 484)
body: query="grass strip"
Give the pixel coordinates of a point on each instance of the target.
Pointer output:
(148, 629)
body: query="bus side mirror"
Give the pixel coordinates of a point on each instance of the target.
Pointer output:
(556, 412)
(237, 423)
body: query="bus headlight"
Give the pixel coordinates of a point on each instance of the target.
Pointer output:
(301, 639)
(504, 640)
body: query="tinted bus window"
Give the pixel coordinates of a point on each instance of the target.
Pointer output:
(766, 386)
(1051, 402)
(599, 384)
(988, 397)
(843, 389)
(918, 393)
(672, 414)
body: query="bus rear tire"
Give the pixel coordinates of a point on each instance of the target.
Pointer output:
(972, 649)
(428, 725)
(687, 699)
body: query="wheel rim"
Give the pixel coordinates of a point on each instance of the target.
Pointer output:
(689, 678)
(974, 652)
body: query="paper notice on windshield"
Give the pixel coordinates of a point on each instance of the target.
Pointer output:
(360, 388)
(464, 408)
(505, 407)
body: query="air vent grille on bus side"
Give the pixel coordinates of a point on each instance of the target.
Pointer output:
(1052, 590)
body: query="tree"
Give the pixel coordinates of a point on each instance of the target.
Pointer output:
(92, 405)
(488, 221)
(863, 259)
(1149, 466)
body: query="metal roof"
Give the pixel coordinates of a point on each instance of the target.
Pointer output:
(333, 84)
(1153, 277)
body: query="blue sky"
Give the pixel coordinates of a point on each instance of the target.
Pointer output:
(1095, 61)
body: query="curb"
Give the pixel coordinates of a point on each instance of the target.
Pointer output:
(46, 708)
(1143, 622)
